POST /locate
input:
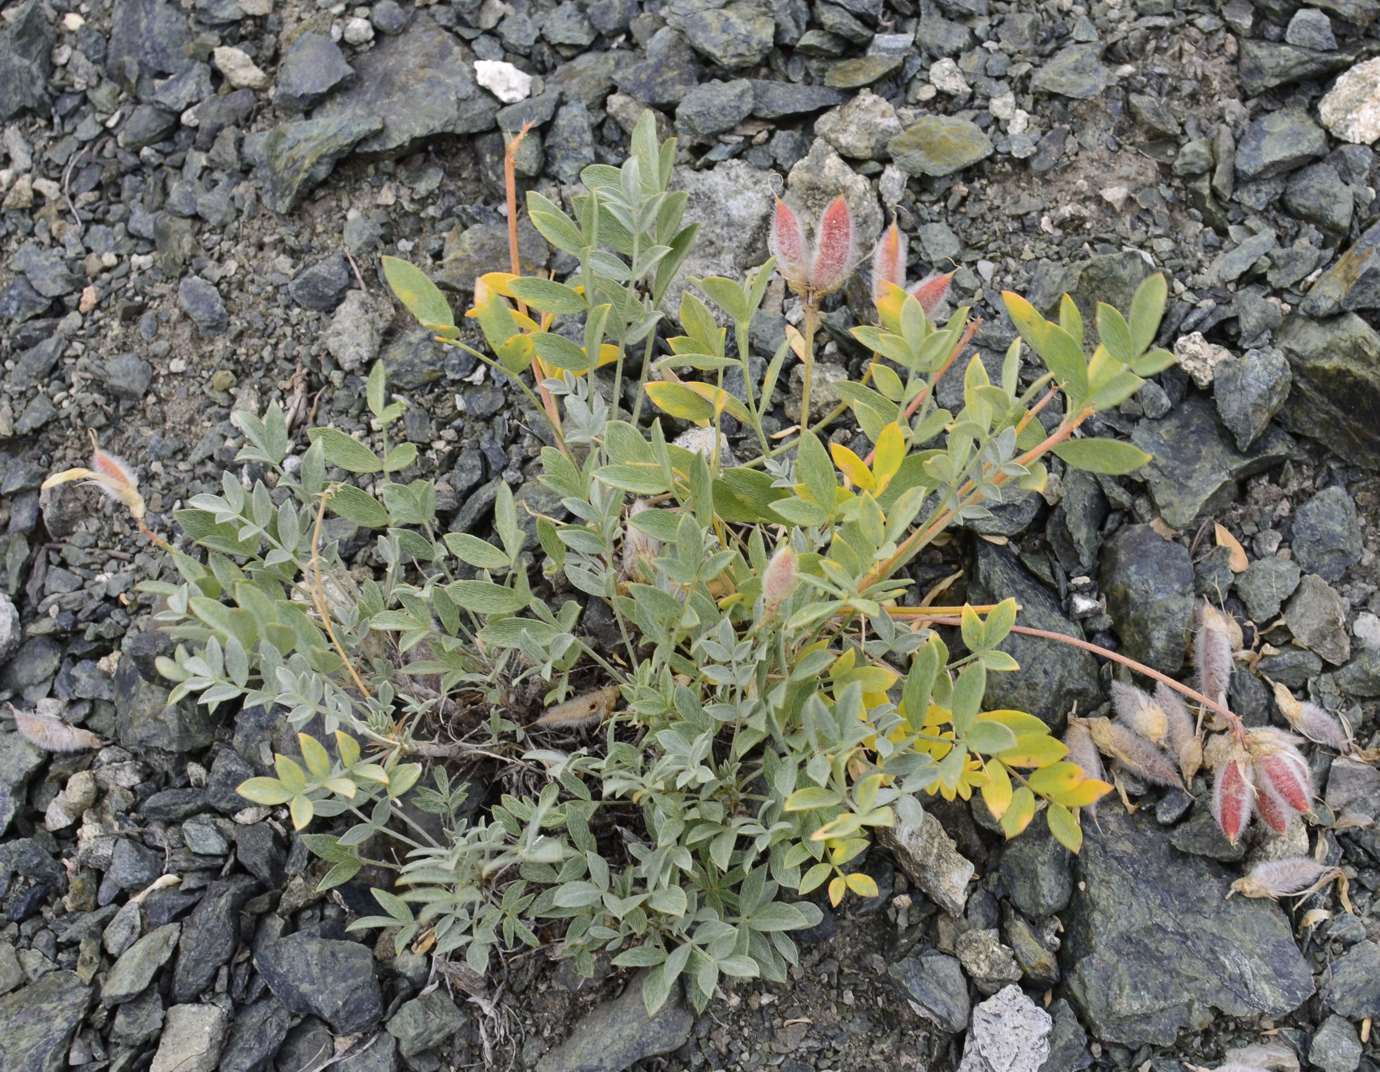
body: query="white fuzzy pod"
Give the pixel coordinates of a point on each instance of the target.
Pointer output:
(1082, 751)
(1133, 752)
(51, 733)
(1289, 877)
(1140, 713)
(1213, 652)
(1183, 731)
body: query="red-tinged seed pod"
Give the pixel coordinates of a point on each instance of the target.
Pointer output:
(1272, 810)
(1213, 652)
(930, 292)
(833, 259)
(787, 245)
(1286, 777)
(779, 578)
(888, 261)
(1233, 797)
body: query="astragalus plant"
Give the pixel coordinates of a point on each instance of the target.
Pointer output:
(775, 689)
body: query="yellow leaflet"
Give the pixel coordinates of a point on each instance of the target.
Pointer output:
(890, 453)
(889, 307)
(679, 401)
(1057, 778)
(996, 790)
(851, 466)
(1034, 750)
(1019, 814)
(1088, 791)
(1018, 722)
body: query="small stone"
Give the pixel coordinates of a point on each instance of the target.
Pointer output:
(933, 983)
(1316, 616)
(938, 145)
(1327, 534)
(861, 70)
(860, 128)
(734, 35)
(1278, 142)
(929, 857)
(986, 961)
(1009, 1033)
(1311, 28)
(1076, 71)
(503, 80)
(1250, 391)
(355, 332)
(619, 1033)
(1318, 194)
(328, 978)
(297, 157)
(313, 66)
(358, 31)
(425, 1022)
(68, 806)
(1266, 584)
(1335, 1046)
(1148, 582)
(714, 106)
(322, 286)
(192, 1038)
(1036, 872)
(202, 302)
(1336, 365)
(139, 963)
(1351, 986)
(1199, 358)
(38, 1021)
(945, 75)
(239, 70)
(1351, 108)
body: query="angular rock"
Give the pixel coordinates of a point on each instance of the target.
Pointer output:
(1316, 616)
(313, 66)
(26, 61)
(934, 985)
(1035, 869)
(37, 1022)
(420, 84)
(929, 857)
(298, 156)
(425, 1022)
(1250, 391)
(191, 1041)
(1336, 391)
(732, 203)
(1053, 677)
(861, 128)
(988, 963)
(735, 35)
(145, 719)
(1265, 585)
(355, 332)
(619, 1033)
(323, 977)
(201, 301)
(938, 145)
(1327, 534)
(1278, 142)
(1137, 897)
(1318, 194)
(1075, 71)
(1351, 985)
(19, 761)
(1352, 283)
(1267, 65)
(667, 71)
(256, 1035)
(147, 38)
(1351, 108)
(776, 100)
(1148, 582)
(1194, 467)
(209, 937)
(714, 106)
(1335, 1046)
(322, 285)
(139, 963)
(1010, 1033)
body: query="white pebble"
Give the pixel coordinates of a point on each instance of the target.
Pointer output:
(358, 31)
(503, 80)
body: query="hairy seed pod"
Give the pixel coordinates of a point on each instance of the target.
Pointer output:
(1084, 753)
(1138, 712)
(1233, 796)
(1183, 733)
(833, 259)
(639, 548)
(1133, 752)
(47, 730)
(1318, 725)
(1213, 652)
(787, 244)
(779, 578)
(1273, 810)
(1294, 876)
(888, 261)
(1287, 776)
(930, 292)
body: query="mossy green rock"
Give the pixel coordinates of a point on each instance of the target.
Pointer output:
(37, 1022)
(1336, 392)
(939, 145)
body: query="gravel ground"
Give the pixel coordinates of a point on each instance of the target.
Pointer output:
(193, 201)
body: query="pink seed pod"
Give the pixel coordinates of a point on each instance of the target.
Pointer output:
(1138, 712)
(930, 292)
(1213, 652)
(787, 245)
(888, 261)
(1286, 774)
(1272, 809)
(833, 259)
(779, 578)
(1233, 796)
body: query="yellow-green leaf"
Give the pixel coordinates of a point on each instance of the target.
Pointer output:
(547, 296)
(861, 884)
(680, 402)
(1034, 750)
(301, 811)
(996, 791)
(837, 888)
(342, 450)
(851, 466)
(1018, 815)
(1056, 778)
(266, 791)
(1111, 457)
(890, 453)
(1063, 824)
(1147, 307)
(1088, 791)
(314, 754)
(419, 294)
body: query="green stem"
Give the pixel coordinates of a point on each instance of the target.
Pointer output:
(742, 332)
(808, 359)
(642, 375)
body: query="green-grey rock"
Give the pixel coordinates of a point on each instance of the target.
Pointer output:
(1352, 283)
(1076, 71)
(324, 977)
(1194, 466)
(1335, 1046)
(1249, 391)
(938, 145)
(419, 84)
(667, 70)
(1316, 616)
(1148, 582)
(139, 963)
(1278, 142)
(714, 106)
(1336, 392)
(1036, 871)
(37, 1022)
(1107, 277)
(1138, 900)
(191, 1040)
(619, 1033)
(425, 1022)
(1351, 986)
(861, 70)
(1200, 835)
(776, 100)
(735, 35)
(145, 719)
(19, 760)
(1269, 64)
(1265, 584)
(299, 156)
(1327, 534)
(26, 62)
(1318, 194)
(1053, 677)
(934, 985)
